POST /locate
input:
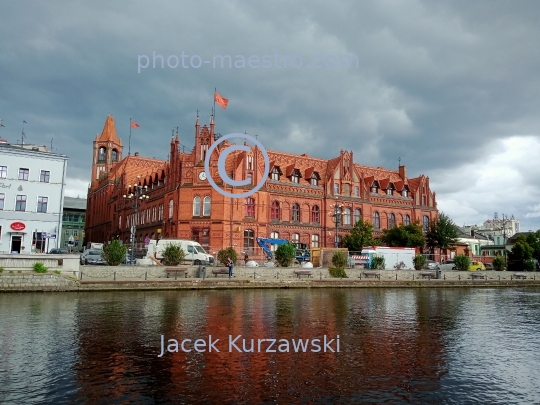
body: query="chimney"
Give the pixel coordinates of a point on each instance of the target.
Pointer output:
(402, 172)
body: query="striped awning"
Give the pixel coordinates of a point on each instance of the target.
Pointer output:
(358, 257)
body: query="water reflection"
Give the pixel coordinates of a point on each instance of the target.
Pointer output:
(396, 346)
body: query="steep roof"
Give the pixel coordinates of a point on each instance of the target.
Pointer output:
(109, 132)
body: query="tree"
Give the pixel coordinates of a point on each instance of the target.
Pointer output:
(533, 240)
(442, 233)
(404, 236)
(419, 261)
(114, 253)
(224, 254)
(361, 235)
(173, 254)
(499, 263)
(520, 257)
(285, 254)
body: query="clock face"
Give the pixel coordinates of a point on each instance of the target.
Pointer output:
(202, 175)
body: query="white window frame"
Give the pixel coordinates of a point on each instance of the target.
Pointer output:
(206, 206)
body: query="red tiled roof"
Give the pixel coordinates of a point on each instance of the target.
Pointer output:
(109, 132)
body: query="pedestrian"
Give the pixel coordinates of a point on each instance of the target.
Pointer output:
(246, 258)
(230, 266)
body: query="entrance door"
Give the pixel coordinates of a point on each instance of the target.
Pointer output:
(16, 242)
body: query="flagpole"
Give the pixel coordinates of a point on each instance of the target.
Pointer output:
(214, 111)
(129, 143)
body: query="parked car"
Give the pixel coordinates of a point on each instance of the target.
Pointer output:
(94, 257)
(448, 265)
(489, 266)
(128, 260)
(431, 265)
(474, 266)
(58, 251)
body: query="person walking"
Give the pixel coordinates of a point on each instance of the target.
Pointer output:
(230, 266)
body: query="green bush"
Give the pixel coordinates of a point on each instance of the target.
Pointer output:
(462, 262)
(285, 254)
(528, 265)
(419, 261)
(224, 254)
(114, 253)
(339, 260)
(173, 254)
(338, 272)
(1, 270)
(39, 268)
(499, 263)
(19, 271)
(57, 271)
(377, 263)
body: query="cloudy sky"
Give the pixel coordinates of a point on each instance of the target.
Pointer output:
(451, 87)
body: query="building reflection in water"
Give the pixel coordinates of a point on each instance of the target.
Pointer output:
(391, 344)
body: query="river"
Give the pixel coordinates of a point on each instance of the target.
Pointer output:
(395, 346)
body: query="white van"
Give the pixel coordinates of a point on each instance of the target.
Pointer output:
(195, 253)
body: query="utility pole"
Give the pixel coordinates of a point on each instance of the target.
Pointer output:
(504, 240)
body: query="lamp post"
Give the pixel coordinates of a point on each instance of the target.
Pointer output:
(336, 217)
(137, 195)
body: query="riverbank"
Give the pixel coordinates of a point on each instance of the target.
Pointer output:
(54, 282)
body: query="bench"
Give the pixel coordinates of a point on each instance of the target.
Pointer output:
(225, 271)
(428, 274)
(176, 270)
(369, 274)
(478, 275)
(302, 273)
(519, 276)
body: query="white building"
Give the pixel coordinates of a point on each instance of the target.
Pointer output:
(32, 183)
(498, 230)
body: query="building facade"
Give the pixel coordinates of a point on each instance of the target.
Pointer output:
(32, 183)
(73, 223)
(296, 202)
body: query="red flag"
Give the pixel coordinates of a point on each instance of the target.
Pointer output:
(134, 125)
(220, 100)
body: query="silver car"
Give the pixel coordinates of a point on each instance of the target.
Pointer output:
(431, 265)
(448, 265)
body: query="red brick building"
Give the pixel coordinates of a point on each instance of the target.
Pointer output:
(295, 203)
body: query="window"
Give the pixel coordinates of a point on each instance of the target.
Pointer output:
(274, 235)
(120, 222)
(295, 238)
(423, 200)
(249, 162)
(314, 241)
(347, 189)
(197, 206)
(295, 178)
(250, 178)
(275, 173)
(75, 233)
(114, 155)
(356, 191)
(249, 240)
(275, 211)
(2, 199)
(3, 172)
(23, 174)
(347, 216)
(374, 188)
(407, 220)
(20, 205)
(295, 213)
(391, 221)
(171, 206)
(315, 214)
(357, 215)
(101, 155)
(250, 207)
(425, 223)
(314, 180)
(336, 188)
(42, 204)
(389, 191)
(206, 206)
(404, 193)
(376, 221)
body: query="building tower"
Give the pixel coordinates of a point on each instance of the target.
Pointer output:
(107, 150)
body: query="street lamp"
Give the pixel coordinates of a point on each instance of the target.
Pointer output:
(137, 195)
(336, 217)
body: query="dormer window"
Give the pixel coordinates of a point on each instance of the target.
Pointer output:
(374, 188)
(275, 173)
(314, 178)
(404, 193)
(295, 178)
(314, 181)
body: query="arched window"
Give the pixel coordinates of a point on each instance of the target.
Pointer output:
(102, 155)
(315, 214)
(407, 220)
(206, 206)
(296, 212)
(250, 207)
(275, 211)
(376, 221)
(314, 241)
(274, 235)
(347, 216)
(425, 223)
(391, 221)
(357, 215)
(171, 206)
(295, 238)
(114, 155)
(197, 206)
